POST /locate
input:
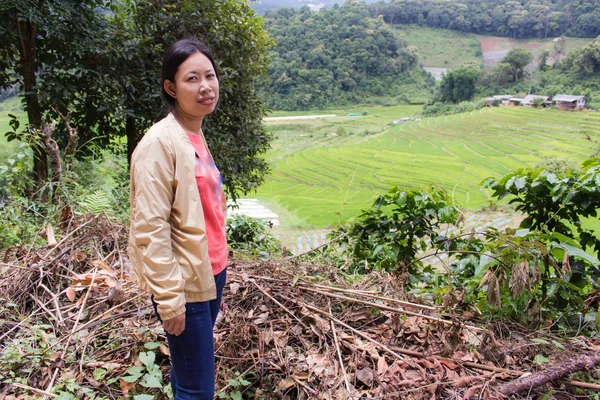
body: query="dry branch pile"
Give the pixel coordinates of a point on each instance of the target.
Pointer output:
(294, 331)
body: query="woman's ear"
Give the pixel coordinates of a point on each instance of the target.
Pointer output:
(170, 88)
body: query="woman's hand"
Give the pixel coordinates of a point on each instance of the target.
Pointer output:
(175, 326)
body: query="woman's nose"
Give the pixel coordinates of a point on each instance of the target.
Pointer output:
(204, 87)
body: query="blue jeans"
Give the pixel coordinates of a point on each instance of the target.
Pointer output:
(192, 352)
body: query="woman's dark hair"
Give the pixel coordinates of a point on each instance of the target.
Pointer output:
(175, 56)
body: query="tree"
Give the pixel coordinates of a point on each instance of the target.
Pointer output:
(585, 60)
(41, 39)
(502, 73)
(560, 47)
(102, 67)
(518, 58)
(459, 85)
(234, 132)
(543, 62)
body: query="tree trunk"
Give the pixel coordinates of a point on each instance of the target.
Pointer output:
(27, 49)
(52, 149)
(132, 137)
(551, 374)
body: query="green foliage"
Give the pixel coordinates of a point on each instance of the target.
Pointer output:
(236, 386)
(337, 56)
(553, 203)
(459, 85)
(518, 59)
(390, 234)
(147, 376)
(586, 60)
(24, 356)
(99, 184)
(552, 263)
(251, 235)
(14, 173)
(103, 75)
(439, 108)
(523, 19)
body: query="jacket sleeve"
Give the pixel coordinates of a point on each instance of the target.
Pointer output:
(152, 183)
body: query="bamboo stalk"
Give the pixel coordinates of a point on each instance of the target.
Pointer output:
(32, 389)
(384, 307)
(339, 353)
(372, 295)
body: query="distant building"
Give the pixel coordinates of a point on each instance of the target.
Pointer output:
(496, 100)
(569, 102)
(530, 100)
(515, 101)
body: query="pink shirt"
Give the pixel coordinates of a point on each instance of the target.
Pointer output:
(210, 187)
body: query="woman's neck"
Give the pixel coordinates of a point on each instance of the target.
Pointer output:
(189, 123)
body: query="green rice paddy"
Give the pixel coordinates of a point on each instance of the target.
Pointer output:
(328, 170)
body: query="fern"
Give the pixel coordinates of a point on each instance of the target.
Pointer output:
(96, 203)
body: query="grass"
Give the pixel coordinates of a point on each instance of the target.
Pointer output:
(442, 48)
(321, 176)
(11, 105)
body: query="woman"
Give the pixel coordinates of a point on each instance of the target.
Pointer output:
(177, 239)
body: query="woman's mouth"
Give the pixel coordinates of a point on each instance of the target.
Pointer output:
(207, 101)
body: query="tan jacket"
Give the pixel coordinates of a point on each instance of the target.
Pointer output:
(168, 246)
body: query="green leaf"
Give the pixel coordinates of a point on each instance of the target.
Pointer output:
(131, 378)
(143, 397)
(151, 382)
(147, 358)
(233, 382)
(575, 252)
(558, 344)
(237, 395)
(244, 382)
(136, 370)
(540, 341)
(540, 359)
(152, 345)
(98, 373)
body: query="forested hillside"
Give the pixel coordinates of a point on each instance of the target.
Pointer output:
(264, 5)
(517, 19)
(337, 56)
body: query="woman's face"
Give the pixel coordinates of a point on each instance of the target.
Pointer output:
(196, 87)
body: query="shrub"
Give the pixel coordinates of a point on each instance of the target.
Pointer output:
(250, 235)
(398, 225)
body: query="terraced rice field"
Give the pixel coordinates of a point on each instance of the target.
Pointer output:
(332, 178)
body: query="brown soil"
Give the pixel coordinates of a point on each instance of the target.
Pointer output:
(488, 45)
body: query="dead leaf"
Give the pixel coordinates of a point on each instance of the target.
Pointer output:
(301, 375)
(79, 256)
(125, 386)
(110, 282)
(382, 366)
(413, 375)
(285, 384)
(165, 350)
(234, 287)
(318, 363)
(448, 364)
(365, 375)
(261, 318)
(71, 293)
(50, 236)
(101, 264)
